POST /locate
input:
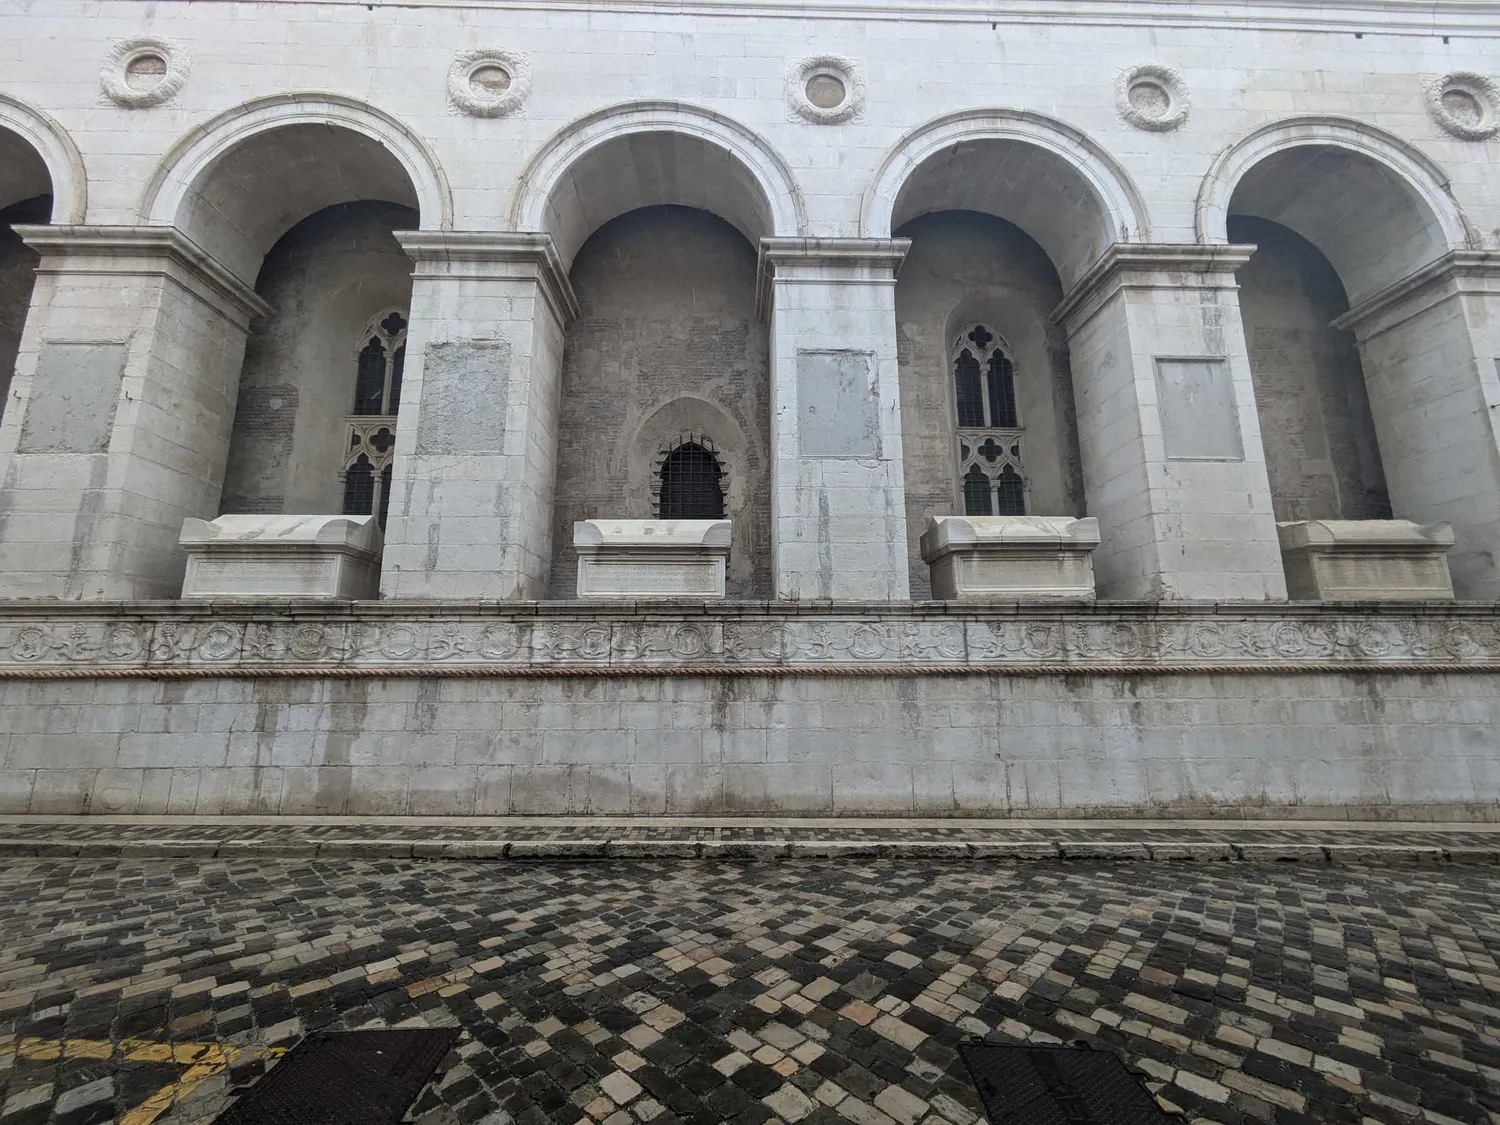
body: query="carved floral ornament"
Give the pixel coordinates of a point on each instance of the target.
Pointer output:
(143, 71)
(489, 82)
(1465, 105)
(825, 89)
(1152, 97)
(808, 644)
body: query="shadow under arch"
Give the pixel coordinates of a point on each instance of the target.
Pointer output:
(41, 160)
(1375, 206)
(237, 182)
(639, 154)
(1045, 176)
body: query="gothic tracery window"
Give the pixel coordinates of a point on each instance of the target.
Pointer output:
(989, 438)
(690, 482)
(370, 429)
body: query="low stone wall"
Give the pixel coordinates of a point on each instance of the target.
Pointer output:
(401, 708)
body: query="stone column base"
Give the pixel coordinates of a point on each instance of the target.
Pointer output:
(1366, 560)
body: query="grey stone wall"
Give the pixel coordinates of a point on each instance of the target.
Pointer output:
(667, 344)
(325, 278)
(1310, 745)
(964, 268)
(1321, 452)
(17, 273)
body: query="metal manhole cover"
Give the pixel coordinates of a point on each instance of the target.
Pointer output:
(1057, 1086)
(349, 1078)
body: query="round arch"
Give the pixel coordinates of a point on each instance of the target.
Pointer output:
(56, 150)
(642, 153)
(398, 160)
(1376, 206)
(1418, 171)
(1092, 181)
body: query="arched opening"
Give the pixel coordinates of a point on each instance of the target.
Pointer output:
(667, 343)
(1370, 225)
(1332, 226)
(989, 426)
(1322, 455)
(308, 211)
(658, 214)
(25, 197)
(690, 484)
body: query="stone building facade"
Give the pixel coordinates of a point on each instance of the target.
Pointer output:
(483, 269)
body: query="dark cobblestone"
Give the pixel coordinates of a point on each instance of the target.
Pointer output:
(801, 991)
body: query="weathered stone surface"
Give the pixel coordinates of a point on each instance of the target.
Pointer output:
(1016, 557)
(651, 558)
(242, 556)
(1366, 560)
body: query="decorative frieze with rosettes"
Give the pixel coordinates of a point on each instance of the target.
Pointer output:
(620, 641)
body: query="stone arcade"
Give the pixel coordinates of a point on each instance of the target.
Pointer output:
(666, 359)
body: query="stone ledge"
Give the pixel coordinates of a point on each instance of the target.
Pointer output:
(298, 639)
(1080, 842)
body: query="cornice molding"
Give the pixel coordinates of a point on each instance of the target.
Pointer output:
(827, 260)
(1142, 265)
(76, 249)
(1465, 18)
(1455, 273)
(448, 254)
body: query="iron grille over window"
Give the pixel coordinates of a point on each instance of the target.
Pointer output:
(989, 435)
(371, 428)
(691, 483)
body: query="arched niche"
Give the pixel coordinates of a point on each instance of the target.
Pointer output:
(1375, 207)
(1044, 176)
(237, 183)
(650, 153)
(967, 269)
(667, 348)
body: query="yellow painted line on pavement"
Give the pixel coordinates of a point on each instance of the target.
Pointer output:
(203, 1060)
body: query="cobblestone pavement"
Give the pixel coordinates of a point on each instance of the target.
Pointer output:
(148, 991)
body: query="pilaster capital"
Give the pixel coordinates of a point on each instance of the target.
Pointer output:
(465, 254)
(826, 261)
(1457, 273)
(1150, 265)
(93, 250)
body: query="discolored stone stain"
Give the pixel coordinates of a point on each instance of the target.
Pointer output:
(825, 546)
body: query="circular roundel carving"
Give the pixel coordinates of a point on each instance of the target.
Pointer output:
(825, 89)
(1152, 97)
(1465, 105)
(143, 71)
(489, 82)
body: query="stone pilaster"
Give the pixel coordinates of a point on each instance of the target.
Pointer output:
(1430, 349)
(118, 421)
(1173, 464)
(471, 503)
(838, 495)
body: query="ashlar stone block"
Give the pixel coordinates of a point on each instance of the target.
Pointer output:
(1366, 560)
(1023, 557)
(651, 558)
(277, 556)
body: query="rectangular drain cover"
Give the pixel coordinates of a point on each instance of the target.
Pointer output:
(347, 1078)
(1057, 1086)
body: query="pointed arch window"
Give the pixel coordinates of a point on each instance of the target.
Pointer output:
(690, 482)
(991, 475)
(370, 429)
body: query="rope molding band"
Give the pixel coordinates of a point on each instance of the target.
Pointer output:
(525, 671)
